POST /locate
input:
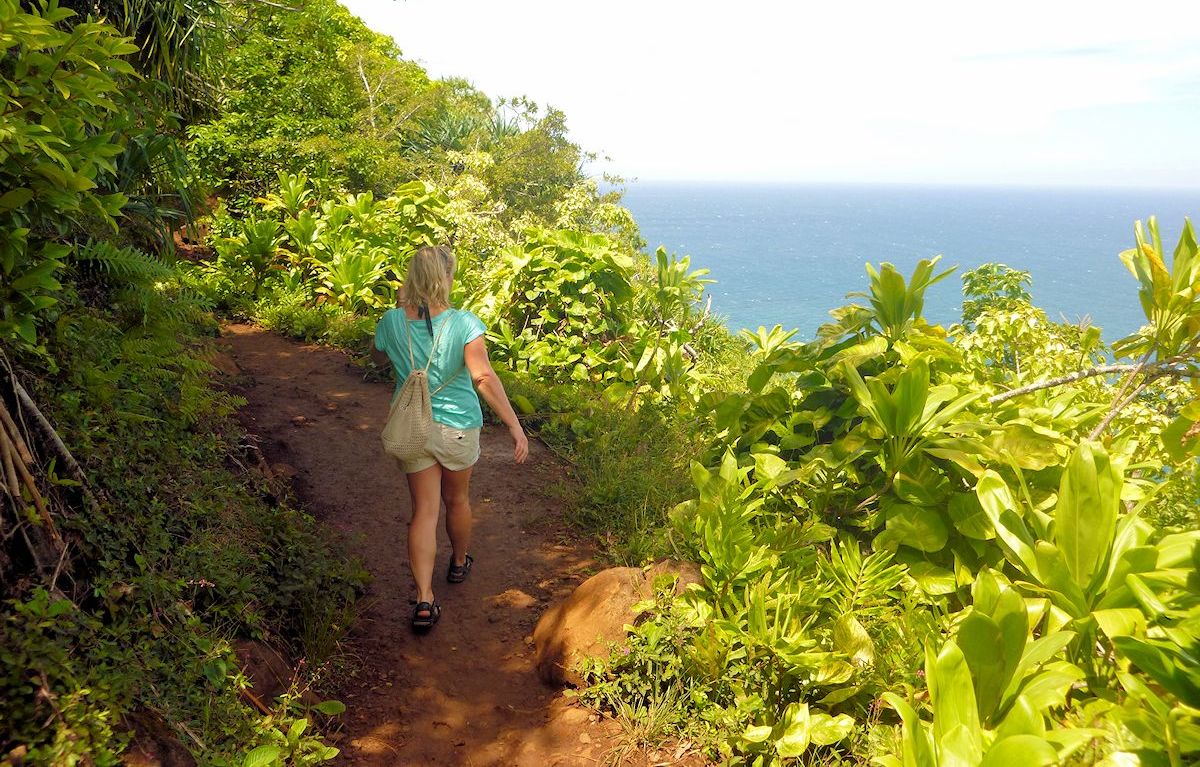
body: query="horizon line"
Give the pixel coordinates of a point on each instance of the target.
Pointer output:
(1073, 185)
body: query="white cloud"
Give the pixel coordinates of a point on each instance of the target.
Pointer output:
(832, 91)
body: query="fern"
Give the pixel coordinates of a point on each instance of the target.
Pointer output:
(128, 265)
(863, 584)
(141, 284)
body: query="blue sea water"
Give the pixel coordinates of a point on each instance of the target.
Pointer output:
(787, 254)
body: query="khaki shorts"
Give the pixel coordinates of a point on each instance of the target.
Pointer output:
(454, 449)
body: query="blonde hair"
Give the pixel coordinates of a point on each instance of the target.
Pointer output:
(427, 283)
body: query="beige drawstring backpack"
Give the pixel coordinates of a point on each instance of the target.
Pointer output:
(410, 418)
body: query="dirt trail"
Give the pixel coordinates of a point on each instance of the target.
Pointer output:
(465, 694)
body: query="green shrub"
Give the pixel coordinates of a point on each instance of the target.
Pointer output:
(182, 556)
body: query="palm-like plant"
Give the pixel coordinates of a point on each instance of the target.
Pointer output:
(895, 304)
(449, 131)
(258, 247)
(293, 195)
(353, 277)
(1170, 297)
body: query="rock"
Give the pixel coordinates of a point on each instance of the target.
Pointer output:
(223, 363)
(686, 573)
(512, 599)
(269, 673)
(154, 744)
(285, 472)
(594, 617)
(584, 626)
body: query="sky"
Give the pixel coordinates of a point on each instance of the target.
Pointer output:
(1053, 92)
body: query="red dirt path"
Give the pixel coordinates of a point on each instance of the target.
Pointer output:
(466, 693)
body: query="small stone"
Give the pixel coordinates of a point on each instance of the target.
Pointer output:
(585, 738)
(223, 363)
(284, 471)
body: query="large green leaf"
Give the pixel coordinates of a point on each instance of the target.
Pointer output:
(1089, 497)
(909, 395)
(969, 518)
(851, 638)
(1167, 664)
(1058, 581)
(917, 748)
(263, 756)
(992, 646)
(796, 734)
(1001, 509)
(955, 713)
(825, 729)
(1049, 687)
(1021, 719)
(921, 528)
(1020, 751)
(1030, 445)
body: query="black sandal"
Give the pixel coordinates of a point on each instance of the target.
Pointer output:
(459, 573)
(432, 611)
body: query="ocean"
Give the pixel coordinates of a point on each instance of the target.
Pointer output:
(787, 254)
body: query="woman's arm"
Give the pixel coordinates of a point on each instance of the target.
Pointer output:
(489, 387)
(379, 358)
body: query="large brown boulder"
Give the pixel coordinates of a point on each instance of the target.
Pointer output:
(594, 617)
(686, 573)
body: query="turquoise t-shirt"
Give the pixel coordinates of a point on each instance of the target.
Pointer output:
(456, 405)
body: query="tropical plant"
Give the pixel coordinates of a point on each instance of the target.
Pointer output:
(992, 286)
(60, 144)
(355, 277)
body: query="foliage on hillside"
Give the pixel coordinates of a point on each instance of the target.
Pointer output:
(1021, 534)
(998, 511)
(312, 89)
(920, 545)
(127, 576)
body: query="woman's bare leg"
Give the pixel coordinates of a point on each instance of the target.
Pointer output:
(425, 489)
(456, 492)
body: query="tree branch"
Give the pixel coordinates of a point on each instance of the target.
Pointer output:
(1121, 404)
(370, 96)
(1167, 368)
(1078, 375)
(51, 436)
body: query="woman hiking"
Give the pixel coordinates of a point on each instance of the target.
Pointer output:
(424, 328)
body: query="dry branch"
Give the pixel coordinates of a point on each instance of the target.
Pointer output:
(38, 502)
(15, 435)
(51, 436)
(250, 696)
(11, 485)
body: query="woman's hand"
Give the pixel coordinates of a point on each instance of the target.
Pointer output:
(520, 442)
(490, 388)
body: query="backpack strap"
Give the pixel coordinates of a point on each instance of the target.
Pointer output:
(447, 381)
(432, 348)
